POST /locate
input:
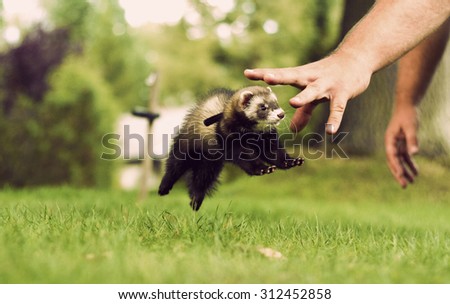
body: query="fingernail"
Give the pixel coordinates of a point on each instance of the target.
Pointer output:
(330, 128)
(248, 70)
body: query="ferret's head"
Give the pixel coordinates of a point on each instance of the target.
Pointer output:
(260, 105)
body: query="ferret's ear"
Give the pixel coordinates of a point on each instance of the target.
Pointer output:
(270, 90)
(244, 99)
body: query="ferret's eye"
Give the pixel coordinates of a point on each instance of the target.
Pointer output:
(263, 107)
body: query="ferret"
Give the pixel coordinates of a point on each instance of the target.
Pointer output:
(227, 126)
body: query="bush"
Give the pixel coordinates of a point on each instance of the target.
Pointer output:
(58, 141)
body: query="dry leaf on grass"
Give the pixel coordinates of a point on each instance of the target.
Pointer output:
(270, 253)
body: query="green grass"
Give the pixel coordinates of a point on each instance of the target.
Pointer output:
(334, 221)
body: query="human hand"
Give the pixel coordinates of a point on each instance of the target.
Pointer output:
(401, 144)
(336, 79)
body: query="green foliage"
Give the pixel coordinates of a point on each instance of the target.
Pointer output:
(100, 30)
(54, 115)
(329, 230)
(186, 67)
(59, 141)
(73, 15)
(118, 54)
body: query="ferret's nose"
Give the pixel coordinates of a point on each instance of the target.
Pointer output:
(281, 115)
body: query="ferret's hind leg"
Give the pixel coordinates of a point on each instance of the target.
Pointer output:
(175, 168)
(203, 179)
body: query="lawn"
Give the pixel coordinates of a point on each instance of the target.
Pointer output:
(333, 221)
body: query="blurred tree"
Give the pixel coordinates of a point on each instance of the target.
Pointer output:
(58, 141)
(54, 112)
(72, 15)
(59, 90)
(187, 67)
(100, 29)
(26, 67)
(118, 53)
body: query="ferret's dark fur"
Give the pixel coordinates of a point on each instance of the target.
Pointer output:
(236, 126)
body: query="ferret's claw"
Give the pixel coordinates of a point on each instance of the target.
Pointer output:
(299, 161)
(293, 163)
(268, 170)
(271, 169)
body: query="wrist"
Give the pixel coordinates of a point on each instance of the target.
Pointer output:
(405, 97)
(356, 60)
(402, 108)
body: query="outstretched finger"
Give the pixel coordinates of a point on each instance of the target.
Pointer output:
(281, 76)
(312, 93)
(256, 74)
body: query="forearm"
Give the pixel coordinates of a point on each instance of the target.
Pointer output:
(416, 68)
(391, 29)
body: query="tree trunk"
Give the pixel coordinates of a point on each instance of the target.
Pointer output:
(434, 133)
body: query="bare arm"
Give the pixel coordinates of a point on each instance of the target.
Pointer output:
(388, 31)
(392, 28)
(415, 71)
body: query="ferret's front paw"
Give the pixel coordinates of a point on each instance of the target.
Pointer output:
(268, 170)
(293, 162)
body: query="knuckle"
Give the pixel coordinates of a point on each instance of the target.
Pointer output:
(338, 107)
